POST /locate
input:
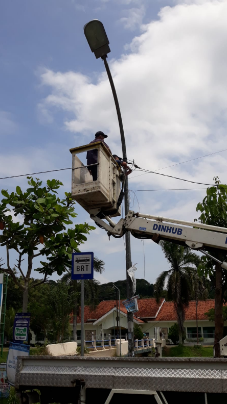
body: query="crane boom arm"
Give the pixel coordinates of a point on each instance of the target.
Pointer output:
(195, 235)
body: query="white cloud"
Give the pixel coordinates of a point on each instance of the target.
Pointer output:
(127, 2)
(7, 124)
(171, 87)
(199, 2)
(133, 17)
(172, 93)
(16, 219)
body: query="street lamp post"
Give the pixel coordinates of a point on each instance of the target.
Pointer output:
(119, 305)
(98, 41)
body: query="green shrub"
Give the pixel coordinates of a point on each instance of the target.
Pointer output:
(78, 350)
(138, 333)
(174, 333)
(13, 399)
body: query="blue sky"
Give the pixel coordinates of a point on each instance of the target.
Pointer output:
(169, 64)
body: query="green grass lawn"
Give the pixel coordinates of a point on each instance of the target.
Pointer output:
(188, 351)
(3, 358)
(177, 351)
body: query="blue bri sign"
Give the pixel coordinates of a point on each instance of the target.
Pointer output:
(21, 327)
(82, 265)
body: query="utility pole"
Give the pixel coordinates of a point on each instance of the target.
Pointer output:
(119, 307)
(82, 318)
(97, 39)
(127, 234)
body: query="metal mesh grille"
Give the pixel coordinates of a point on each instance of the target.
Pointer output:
(140, 372)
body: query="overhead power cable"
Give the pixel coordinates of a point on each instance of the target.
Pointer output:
(196, 158)
(40, 172)
(138, 169)
(171, 176)
(187, 161)
(169, 189)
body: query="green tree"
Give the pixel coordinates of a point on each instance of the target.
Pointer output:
(138, 333)
(213, 211)
(9, 321)
(199, 291)
(143, 288)
(40, 310)
(14, 295)
(60, 301)
(211, 314)
(177, 279)
(174, 333)
(42, 232)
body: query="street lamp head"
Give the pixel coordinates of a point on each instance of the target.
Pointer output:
(97, 38)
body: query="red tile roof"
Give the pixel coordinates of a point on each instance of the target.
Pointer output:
(148, 308)
(167, 312)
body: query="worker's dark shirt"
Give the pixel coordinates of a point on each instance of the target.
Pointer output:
(92, 155)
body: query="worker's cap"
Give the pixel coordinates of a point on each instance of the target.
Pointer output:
(115, 155)
(100, 134)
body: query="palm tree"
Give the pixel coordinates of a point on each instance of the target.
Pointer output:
(177, 279)
(90, 291)
(198, 291)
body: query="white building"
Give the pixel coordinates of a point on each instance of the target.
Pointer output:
(104, 320)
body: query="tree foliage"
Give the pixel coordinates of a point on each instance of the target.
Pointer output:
(213, 211)
(211, 314)
(143, 289)
(177, 278)
(60, 303)
(9, 321)
(174, 333)
(138, 333)
(41, 231)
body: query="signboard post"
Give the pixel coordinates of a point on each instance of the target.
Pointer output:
(82, 268)
(82, 265)
(1, 293)
(21, 327)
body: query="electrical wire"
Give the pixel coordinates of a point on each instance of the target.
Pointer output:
(40, 172)
(137, 169)
(169, 189)
(196, 158)
(49, 171)
(171, 176)
(187, 161)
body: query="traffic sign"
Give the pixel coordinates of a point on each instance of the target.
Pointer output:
(82, 265)
(21, 327)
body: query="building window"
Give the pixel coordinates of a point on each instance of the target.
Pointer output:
(192, 332)
(208, 332)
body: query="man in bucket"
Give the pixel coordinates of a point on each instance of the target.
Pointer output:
(92, 155)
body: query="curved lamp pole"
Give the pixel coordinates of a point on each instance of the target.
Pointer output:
(98, 41)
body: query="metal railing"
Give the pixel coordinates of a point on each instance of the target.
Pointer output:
(94, 344)
(103, 343)
(144, 343)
